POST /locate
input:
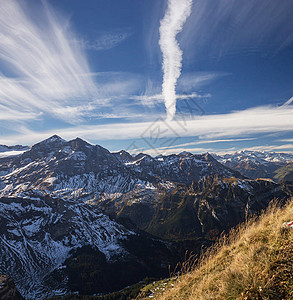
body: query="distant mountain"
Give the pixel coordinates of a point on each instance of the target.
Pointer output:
(255, 164)
(73, 169)
(4, 148)
(180, 168)
(12, 150)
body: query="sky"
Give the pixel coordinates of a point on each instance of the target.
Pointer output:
(153, 76)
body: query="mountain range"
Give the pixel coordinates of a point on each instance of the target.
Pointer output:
(77, 218)
(256, 164)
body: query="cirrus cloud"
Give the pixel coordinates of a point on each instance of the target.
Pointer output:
(46, 73)
(106, 41)
(249, 122)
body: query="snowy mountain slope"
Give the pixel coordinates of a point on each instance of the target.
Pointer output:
(51, 247)
(255, 164)
(4, 148)
(77, 169)
(258, 157)
(69, 169)
(182, 168)
(37, 234)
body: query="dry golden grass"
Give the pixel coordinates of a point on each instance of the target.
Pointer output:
(255, 262)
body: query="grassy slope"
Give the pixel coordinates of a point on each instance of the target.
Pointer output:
(256, 262)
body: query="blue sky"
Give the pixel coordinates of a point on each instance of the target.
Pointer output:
(149, 75)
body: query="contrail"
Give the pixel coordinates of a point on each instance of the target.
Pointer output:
(290, 101)
(172, 23)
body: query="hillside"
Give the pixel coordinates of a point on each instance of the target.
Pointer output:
(255, 262)
(285, 173)
(204, 209)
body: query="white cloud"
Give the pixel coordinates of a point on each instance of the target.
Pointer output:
(159, 98)
(48, 73)
(248, 122)
(155, 152)
(207, 142)
(195, 80)
(187, 82)
(286, 140)
(260, 120)
(7, 114)
(178, 148)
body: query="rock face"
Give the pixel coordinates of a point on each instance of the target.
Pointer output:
(8, 290)
(255, 164)
(73, 169)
